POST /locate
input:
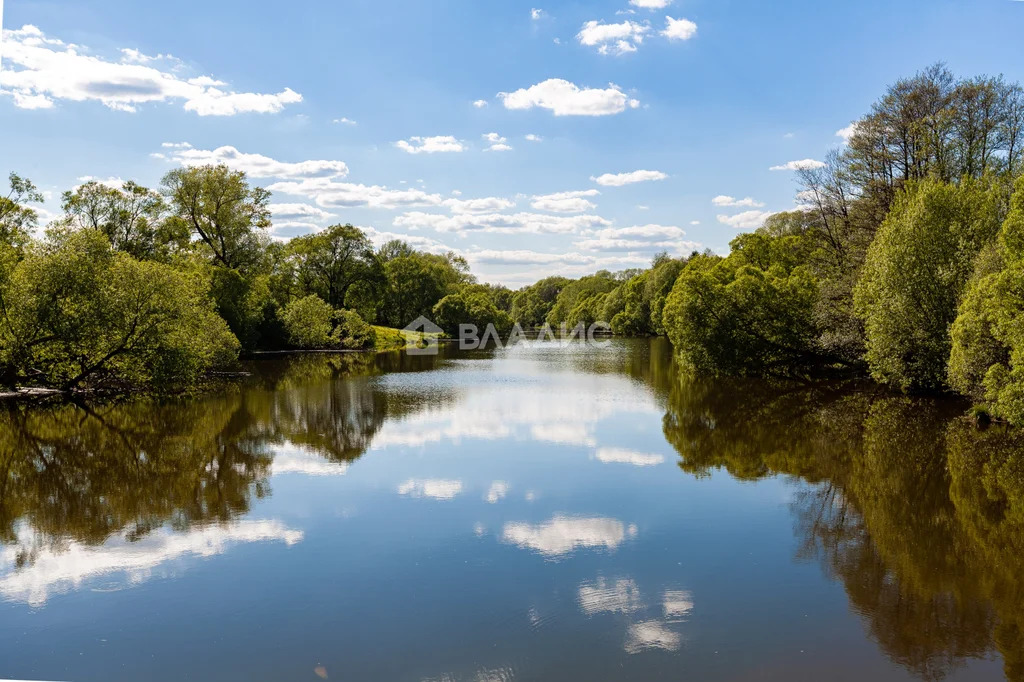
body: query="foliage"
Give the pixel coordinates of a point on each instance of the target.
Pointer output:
(76, 313)
(16, 219)
(915, 274)
(330, 263)
(750, 313)
(130, 217)
(217, 205)
(470, 305)
(416, 281)
(581, 300)
(312, 323)
(987, 356)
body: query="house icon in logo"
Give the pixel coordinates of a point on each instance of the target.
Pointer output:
(421, 336)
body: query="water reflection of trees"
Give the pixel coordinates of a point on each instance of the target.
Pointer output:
(89, 472)
(919, 515)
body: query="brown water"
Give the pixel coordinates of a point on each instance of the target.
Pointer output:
(547, 512)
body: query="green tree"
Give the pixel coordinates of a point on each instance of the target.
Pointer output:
(131, 217)
(748, 314)
(915, 274)
(987, 354)
(16, 219)
(331, 262)
(227, 215)
(76, 313)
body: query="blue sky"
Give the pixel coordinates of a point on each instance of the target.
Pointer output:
(707, 105)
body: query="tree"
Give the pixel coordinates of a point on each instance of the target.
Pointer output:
(76, 313)
(330, 262)
(130, 217)
(218, 206)
(312, 323)
(16, 219)
(748, 314)
(469, 306)
(416, 282)
(986, 360)
(915, 275)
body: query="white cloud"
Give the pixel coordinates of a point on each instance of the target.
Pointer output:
(496, 143)
(620, 179)
(614, 39)
(679, 29)
(725, 200)
(112, 182)
(626, 456)
(637, 238)
(565, 202)
(525, 257)
(480, 103)
(508, 223)
(131, 56)
(497, 491)
(305, 462)
(604, 596)
(344, 121)
(536, 14)
(847, 132)
(533, 138)
(258, 165)
(49, 70)
(748, 220)
(329, 193)
(651, 4)
(481, 205)
(436, 488)
(802, 164)
(430, 145)
(564, 98)
(562, 534)
(298, 211)
(695, 222)
(176, 145)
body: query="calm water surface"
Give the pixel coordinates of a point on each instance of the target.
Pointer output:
(548, 512)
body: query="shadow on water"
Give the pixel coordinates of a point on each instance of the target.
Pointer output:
(916, 512)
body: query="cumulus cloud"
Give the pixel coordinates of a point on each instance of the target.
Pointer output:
(616, 39)
(565, 202)
(344, 121)
(847, 132)
(536, 14)
(725, 200)
(564, 98)
(481, 205)
(679, 29)
(298, 211)
(430, 145)
(748, 220)
(256, 165)
(620, 179)
(637, 238)
(530, 137)
(48, 69)
(507, 223)
(526, 257)
(480, 103)
(651, 4)
(496, 143)
(802, 164)
(329, 193)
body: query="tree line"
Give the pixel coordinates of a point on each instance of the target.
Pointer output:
(904, 260)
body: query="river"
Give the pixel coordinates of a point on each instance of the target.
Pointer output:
(551, 511)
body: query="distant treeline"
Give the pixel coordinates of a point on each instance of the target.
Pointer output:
(905, 260)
